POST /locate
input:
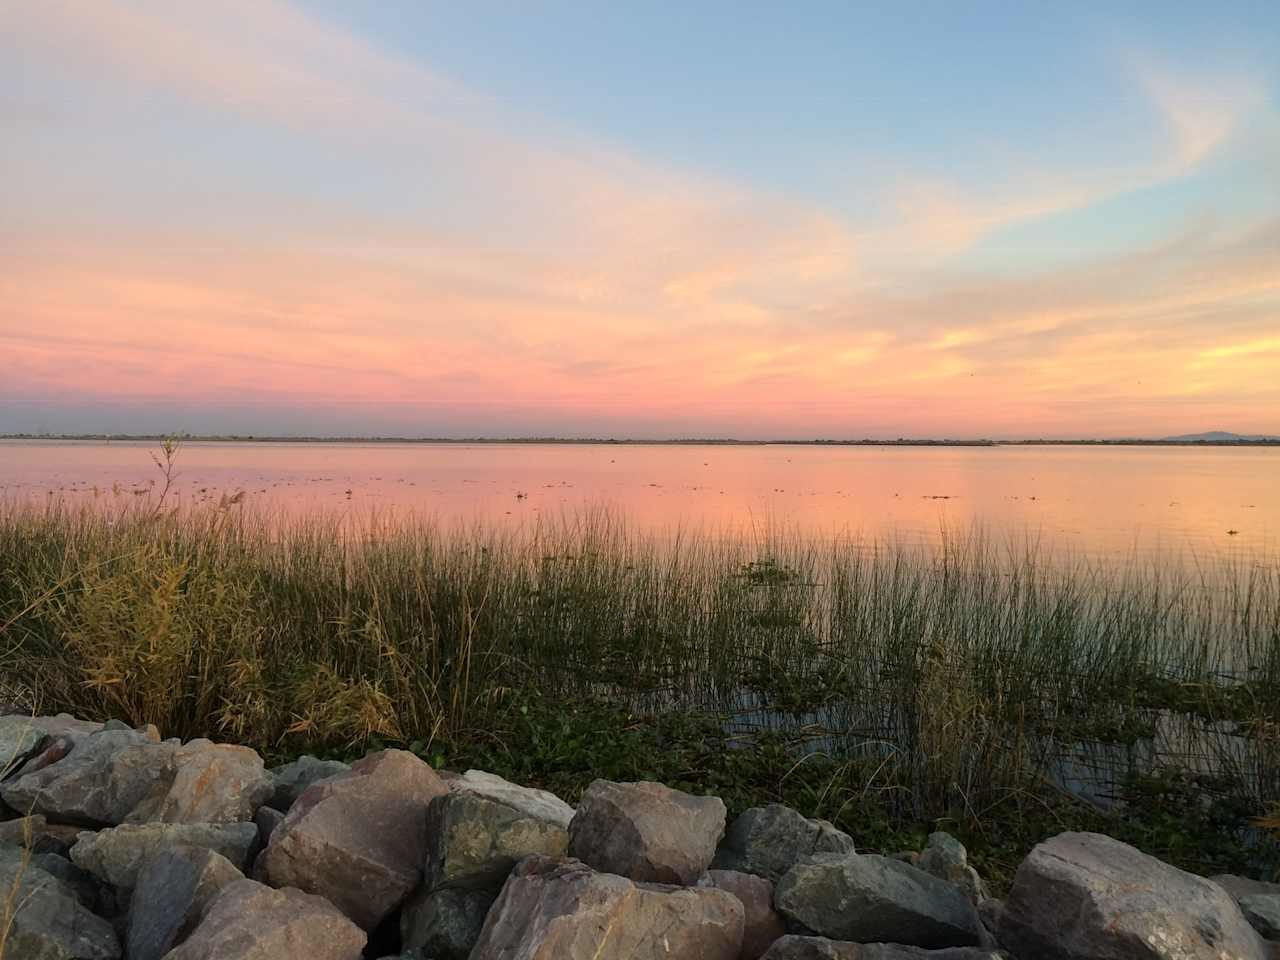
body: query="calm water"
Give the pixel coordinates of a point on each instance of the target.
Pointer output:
(1106, 502)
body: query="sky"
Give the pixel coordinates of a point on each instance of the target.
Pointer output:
(649, 220)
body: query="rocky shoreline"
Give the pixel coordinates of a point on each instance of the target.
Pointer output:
(116, 844)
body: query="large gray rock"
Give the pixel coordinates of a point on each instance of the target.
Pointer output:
(762, 924)
(820, 948)
(211, 783)
(83, 885)
(563, 910)
(267, 819)
(249, 921)
(1262, 910)
(872, 899)
(1084, 895)
(539, 804)
(646, 831)
(946, 858)
(99, 782)
(444, 924)
(1245, 886)
(173, 891)
(358, 839)
(117, 855)
(291, 780)
(48, 921)
(19, 738)
(768, 841)
(474, 842)
(37, 834)
(21, 735)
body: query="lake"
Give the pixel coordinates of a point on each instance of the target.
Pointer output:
(1100, 502)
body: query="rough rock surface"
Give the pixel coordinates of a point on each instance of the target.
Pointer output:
(267, 819)
(474, 842)
(539, 804)
(249, 921)
(83, 885)
(1262, 910)
(872, 899)
(1084, 895)
(820, 948)
(49, 921)
(561, 909)
(212, 783)
(291, 780)
(762, 924)
(767, 841)
(117, 855)
(946, 858)
(173, 891)
(19, 738)
(444, 924)
(20, 734)
(358, 839)
(99, 782)
(646, 831)
(1244, 886)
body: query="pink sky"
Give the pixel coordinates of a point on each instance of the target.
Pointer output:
(293, 230)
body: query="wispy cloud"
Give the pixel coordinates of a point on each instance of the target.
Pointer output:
(576, 275)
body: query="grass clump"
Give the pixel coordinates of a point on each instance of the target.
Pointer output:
(891, 689)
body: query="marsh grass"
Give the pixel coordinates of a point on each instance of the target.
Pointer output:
(931, 684)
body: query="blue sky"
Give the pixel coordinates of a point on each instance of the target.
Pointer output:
(930, 219)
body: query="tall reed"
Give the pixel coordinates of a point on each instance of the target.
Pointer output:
(951, 676)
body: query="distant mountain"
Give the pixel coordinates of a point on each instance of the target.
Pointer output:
(1217, 436)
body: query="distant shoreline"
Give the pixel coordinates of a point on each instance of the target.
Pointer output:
(601, 441)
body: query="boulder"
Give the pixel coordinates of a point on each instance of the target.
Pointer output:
(249, 921)
(172, 893)
(444, 924)
(646, 831)
(50, 751)
(266, 820)
(762, 925)
(79, 883)
(872, 899)
(48, 920)
(474, 842)
(820, 948)
(211, 783)
(19, 739)
(539, 804)
(99, 782)
(23, 831)
(767, 841)
(946, 858)
(561, 909)
(359, 838)
(117, 855)
(1084, 895)
(1262, 910)
(1244, 886)
(36, 833)
(292, 779)
(21, 734)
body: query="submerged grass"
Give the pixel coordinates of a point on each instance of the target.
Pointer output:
(887, 687)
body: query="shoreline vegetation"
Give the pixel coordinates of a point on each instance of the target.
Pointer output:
(1001, 694)
(1191, 441)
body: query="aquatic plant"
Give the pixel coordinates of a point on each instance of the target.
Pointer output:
(926, 684)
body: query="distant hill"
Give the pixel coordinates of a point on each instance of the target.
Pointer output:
(1218, 436)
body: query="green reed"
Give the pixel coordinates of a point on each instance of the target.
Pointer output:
(936, 678)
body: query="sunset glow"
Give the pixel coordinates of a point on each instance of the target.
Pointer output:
(313, 218)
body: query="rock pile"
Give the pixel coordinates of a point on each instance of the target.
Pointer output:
(117, 844)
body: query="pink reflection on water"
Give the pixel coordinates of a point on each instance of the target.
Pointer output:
(1098, 501)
